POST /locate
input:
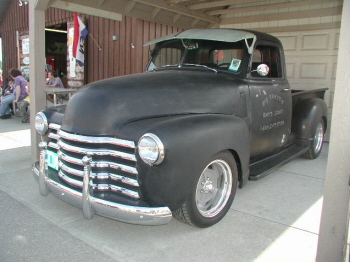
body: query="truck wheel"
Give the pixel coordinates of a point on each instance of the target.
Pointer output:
(213, 193)
(316, 147)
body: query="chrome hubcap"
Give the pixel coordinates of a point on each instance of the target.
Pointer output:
(214, 188)
(318, 140)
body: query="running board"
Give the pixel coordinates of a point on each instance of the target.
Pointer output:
(266, 166)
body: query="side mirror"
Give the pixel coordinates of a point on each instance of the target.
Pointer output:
(263, 69)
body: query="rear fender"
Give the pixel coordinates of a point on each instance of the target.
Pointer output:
(306, 116)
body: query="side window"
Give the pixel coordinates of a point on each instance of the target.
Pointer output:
(268, 55)
(167, 56)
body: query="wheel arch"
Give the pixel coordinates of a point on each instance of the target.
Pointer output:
(306, 115)
(239, 167)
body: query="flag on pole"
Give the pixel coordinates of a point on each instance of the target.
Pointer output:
(80, 33)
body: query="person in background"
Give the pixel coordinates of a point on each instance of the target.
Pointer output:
(19, 93)
(53, 81)
(6, 85)
(9, 89)
(23, 106)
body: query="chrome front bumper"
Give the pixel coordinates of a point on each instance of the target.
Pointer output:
(91, 205)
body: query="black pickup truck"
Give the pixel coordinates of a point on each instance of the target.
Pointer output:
(213, 110)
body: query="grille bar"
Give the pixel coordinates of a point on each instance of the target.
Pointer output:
(102, 164)
(113, 163)
(96, 152)
(99, 187)
(54, 126)
(96, 139)
(99, 176)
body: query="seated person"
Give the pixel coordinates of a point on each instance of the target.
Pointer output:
(9, 89)
(19, 93)
(54, 81)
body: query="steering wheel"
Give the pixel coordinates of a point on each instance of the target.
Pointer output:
(224, 65)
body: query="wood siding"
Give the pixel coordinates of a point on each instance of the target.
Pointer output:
(116, 57)
(125, 55)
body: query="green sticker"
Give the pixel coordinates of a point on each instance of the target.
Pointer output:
(52, 160)
(234, 65)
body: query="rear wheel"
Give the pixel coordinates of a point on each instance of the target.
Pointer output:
(316, 147)
(213, 193)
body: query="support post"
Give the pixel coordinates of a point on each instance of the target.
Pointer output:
(333, 234)
(37, 9)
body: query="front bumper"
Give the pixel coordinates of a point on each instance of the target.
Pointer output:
(91, 205)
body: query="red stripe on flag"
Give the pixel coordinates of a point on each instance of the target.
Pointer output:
(76, 35)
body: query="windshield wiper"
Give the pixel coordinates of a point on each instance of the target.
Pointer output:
(179, 66)
(162, 67)
(202, 66)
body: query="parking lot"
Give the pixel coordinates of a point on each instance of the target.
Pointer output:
(273, 219)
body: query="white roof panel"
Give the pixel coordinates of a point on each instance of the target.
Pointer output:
(225, 35)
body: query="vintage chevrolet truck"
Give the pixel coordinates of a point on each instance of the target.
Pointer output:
(213, 110)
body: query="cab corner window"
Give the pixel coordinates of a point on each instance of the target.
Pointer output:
(268, 55)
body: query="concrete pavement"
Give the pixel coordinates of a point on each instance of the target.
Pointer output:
(272, 219)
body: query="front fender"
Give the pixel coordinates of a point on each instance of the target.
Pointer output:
(306, 116)
(189, 143)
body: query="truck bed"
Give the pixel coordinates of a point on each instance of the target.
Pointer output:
(302, 94)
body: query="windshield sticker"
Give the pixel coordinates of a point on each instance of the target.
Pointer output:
(234, 65)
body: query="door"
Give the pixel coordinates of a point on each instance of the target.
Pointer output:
(270, 103)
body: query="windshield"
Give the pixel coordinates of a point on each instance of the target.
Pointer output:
(216, 55)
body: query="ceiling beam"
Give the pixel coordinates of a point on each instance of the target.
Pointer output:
(265, 7)
(100, 2)
(174, 2)
(42, 5)
(180, 10)
(129, 6)
(51, 3)
(65, 5)
(175, 18)
(205, 5)
(155, 12)
(283, 16)
(194, 22)
(278, 29)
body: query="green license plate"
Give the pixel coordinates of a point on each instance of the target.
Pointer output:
(52, 160)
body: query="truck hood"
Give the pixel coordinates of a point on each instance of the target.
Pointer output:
(103, 107)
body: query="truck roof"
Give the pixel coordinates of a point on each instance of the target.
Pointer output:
(218, 34)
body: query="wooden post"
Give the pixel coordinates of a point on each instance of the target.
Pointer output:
(333, 234)
(37, 66)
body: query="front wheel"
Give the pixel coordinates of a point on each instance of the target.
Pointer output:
(212, 196)
(316, 146)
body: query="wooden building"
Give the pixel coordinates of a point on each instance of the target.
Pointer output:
(117, 49)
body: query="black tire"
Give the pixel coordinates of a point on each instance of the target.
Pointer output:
(212, 195)
(316, 146)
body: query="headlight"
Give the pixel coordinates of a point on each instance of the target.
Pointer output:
(151, 149)
(41, 124)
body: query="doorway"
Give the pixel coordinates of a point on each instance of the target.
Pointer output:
(56, 50)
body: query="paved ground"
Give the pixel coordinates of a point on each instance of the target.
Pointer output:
(274, 219)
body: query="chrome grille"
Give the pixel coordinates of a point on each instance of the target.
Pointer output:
(113, 161)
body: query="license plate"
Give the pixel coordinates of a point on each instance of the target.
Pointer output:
(52, 160)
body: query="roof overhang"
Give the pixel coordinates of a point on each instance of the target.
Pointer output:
(223, 35)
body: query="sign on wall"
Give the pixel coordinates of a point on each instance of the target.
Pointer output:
(23, 53)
